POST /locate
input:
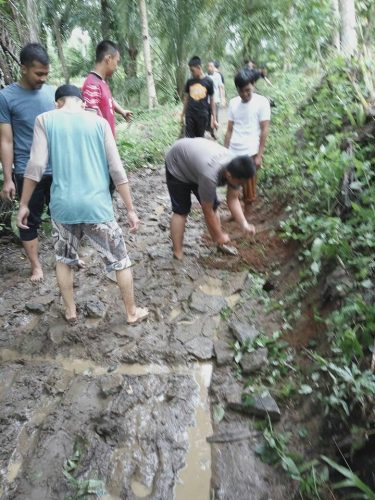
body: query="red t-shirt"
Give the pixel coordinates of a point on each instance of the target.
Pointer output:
(98, 96)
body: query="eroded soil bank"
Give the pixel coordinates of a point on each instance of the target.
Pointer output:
(125, 412)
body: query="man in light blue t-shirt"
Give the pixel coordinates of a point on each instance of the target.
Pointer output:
(20, 104)
(81, 149)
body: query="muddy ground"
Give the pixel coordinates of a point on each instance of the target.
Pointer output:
(124, 412)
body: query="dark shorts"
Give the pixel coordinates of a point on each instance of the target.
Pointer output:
(180, 194)
(195, 125)
(39, 199)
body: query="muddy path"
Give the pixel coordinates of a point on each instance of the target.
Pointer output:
(107, 410)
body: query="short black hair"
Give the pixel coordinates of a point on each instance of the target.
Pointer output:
(195, 61)
(33, 52)
(243, 78)
(104, 48)
(216, 64)
(242, 167)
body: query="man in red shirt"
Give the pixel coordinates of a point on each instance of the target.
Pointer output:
(96, 91)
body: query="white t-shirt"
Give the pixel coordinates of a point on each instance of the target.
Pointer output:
(218, 82)
(246, 118)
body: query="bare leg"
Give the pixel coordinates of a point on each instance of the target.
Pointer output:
(32, 251)
(64, 275)
(177, 233)
(125, 282)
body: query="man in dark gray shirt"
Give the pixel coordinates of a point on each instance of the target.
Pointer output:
(198, 166)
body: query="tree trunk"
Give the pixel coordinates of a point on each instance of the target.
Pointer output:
(60, 49)
(105, 19)
(152, 98)
(336, 25)
(6, 77)
(32, 21)
(349, 41)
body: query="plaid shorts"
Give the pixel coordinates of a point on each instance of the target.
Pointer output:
(106, 238)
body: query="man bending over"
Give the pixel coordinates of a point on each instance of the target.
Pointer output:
(198, 166)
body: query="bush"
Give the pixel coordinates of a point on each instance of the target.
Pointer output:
(147, 138)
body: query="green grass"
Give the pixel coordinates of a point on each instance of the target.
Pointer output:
(145, 140)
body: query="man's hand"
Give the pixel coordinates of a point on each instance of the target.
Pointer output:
(214, 123)
(258, 160)
(248, 229)
(133, 221)
(9, 190)
(128, 115)
(223, 239)
(22, 216)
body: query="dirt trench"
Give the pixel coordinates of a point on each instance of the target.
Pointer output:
(121, 412)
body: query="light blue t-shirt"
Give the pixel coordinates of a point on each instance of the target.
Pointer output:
(19, 107)
(77, 153)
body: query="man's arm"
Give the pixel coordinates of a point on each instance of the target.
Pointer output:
(264, 129)
(213, 224)
(124, 192)
(119, 177)
(214, 123)
(228, 134)
(222, 93)
(36, 166)
(235, 209)
(125, 113)
(6, 152)
(92, 96)
(28, 188)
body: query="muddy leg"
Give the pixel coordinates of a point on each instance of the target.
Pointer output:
(64, 275)
(125, 282)
(177, 233)
(32, 250)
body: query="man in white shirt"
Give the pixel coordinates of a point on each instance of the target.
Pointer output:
(249, 116)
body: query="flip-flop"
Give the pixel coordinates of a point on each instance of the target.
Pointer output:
(140, 319)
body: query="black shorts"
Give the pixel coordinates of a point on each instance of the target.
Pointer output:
(180, 194)
(195, 125)
(39, 198)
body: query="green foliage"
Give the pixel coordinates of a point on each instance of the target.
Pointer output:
(310, 475)
(83, 488)
(350, 389)
(146, 140)
(352, 481)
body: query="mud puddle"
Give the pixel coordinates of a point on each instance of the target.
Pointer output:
(193, 480)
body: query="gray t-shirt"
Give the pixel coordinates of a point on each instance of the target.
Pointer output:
(198, 161)
(19, 107)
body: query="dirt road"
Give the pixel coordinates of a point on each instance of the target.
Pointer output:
(107, 410)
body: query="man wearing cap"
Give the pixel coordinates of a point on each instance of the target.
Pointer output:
(83, 155)
(20, 104)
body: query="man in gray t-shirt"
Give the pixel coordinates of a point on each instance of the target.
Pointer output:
(198, 166)
(20, 104)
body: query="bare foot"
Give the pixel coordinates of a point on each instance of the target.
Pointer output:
(140, 314)
(37, 275)
(81, 264)
(70, 316)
